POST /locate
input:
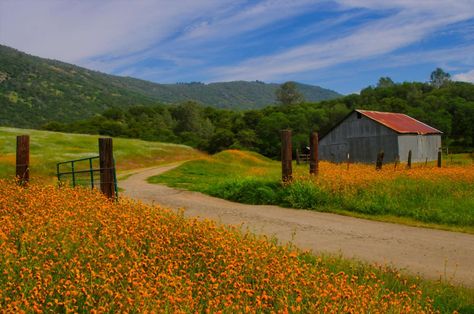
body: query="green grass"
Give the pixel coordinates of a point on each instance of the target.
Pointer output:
(48, 148)
(253, 179)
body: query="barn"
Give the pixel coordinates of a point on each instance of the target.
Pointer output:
(364, 133)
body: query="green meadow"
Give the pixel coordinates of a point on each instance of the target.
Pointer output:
(49, 148)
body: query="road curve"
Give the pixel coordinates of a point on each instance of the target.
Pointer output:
(430, 253)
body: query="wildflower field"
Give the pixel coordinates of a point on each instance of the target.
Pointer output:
(72, 250)
(424, 195)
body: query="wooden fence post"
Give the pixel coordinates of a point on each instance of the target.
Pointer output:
(297, 156)
(106, 160)
(397, 161)
(348, 160)
(379, 163)
(439, 158)
(313, 153)
(23, 159)
(409, 160)
(286, 156)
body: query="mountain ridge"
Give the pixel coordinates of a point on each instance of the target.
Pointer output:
(35, 90)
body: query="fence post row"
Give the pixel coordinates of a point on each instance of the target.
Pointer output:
(313, 153)
(23, 158)
(106, 159)
(286, 156)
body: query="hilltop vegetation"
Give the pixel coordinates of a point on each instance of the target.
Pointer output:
(34, 91)
(449, 108)
(37, 92)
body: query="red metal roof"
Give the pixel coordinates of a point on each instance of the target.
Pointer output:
(400, 123)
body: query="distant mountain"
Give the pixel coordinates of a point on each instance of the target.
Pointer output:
(34, 91)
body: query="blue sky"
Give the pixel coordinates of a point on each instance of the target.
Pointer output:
(344, 45)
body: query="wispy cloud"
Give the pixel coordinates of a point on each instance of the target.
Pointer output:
(214, 40)
(78, 30)
(410, 23)
(465, 77)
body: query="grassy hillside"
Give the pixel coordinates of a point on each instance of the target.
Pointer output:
(48, 148)
(423, 196)
(65, 250)
(34, 91)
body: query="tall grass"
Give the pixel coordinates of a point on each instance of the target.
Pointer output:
(48, 148)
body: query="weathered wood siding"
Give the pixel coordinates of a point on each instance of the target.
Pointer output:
(421, 146)
(362, 138)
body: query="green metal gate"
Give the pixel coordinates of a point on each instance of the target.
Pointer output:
(82, 172)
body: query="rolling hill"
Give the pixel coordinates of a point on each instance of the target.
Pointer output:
(48, 148)
(34, 91)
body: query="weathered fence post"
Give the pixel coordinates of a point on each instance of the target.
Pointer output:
(348, 160)
(297, 156)
(439, 158)
(397, 161)
(409, 160)
(23, 158)
(313, 153)
(379, 163)
(106, 161)
(286, 156)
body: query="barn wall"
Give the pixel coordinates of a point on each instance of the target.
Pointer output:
(422, 146)
(361, 138)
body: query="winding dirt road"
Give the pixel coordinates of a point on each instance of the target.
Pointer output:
(431, 253)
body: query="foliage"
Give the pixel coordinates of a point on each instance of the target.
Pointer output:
(62, 97)
(449, 108)
(430, 196)
(72, 250)
(288, 94)
(439, 77)
(385, 82)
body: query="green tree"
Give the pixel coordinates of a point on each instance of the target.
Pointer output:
(439, 77)
(288, 94)
(385, 82)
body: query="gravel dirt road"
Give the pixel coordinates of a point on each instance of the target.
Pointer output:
(430, 253)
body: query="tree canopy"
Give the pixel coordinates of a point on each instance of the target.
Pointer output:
(439, 77)
(288, 94)
(385, 82)
(449, 108)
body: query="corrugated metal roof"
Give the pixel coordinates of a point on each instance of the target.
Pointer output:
(400, 123)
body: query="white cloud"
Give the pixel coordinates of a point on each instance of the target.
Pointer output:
(117, 35)
(248, 18)
(74, 31)
(465, 77)
(110, 34)
(412, 22)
